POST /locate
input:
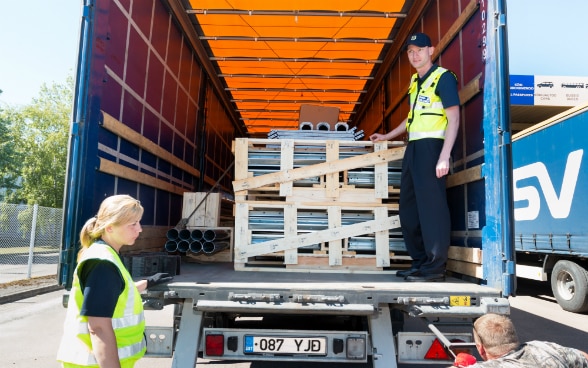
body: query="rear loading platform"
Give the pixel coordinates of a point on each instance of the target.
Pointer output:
(225, 314)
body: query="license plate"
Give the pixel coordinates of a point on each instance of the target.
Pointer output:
(285, 345)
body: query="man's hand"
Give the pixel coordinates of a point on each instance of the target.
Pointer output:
(442, 167)
(158, 278)
(377, 137)
(464, 360)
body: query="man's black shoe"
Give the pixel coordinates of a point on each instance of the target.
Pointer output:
(432, 277)
(405, 273)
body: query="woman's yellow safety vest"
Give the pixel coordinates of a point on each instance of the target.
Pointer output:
(128, 320)
(427, 118)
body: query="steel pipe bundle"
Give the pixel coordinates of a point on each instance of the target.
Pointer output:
(194, 241)
(309, 134)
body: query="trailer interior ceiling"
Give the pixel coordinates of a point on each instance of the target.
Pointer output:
(272, 56)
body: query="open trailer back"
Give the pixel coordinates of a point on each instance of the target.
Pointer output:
(171, 94)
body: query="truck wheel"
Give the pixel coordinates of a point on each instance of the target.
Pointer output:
(569, 283)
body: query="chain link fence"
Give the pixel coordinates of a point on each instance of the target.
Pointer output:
(30, 238)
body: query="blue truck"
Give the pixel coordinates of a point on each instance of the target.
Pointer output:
(175, 97)
(550, 195)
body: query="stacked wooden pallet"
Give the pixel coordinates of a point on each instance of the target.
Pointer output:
(317, 205)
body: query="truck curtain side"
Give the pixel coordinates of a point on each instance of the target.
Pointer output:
(550, 196)
(154, 120)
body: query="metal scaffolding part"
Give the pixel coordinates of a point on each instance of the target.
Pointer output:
(305, 133)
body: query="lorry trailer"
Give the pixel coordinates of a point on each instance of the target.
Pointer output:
(183, 104)
(550, 203)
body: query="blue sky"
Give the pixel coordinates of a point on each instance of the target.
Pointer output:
(39, 40)
(38, 44)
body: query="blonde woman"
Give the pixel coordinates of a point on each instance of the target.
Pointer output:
(104, 324)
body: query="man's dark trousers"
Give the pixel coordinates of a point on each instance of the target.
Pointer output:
(424, 214)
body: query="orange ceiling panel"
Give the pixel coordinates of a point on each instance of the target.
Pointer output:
(273, 56)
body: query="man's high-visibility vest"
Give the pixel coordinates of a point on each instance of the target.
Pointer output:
(427, 118)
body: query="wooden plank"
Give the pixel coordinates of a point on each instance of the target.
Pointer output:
(470, 90)
(123, 131)
(465, 268)
(321, 236)
(353, 206)
(335, 245)
(241, 229)
(212, 210)
(332, 179)
(382, 239)
(466, 176)
(346, 194)
(287, 163)
(290, 230)
(241, 158)
(369, 159)
(472, 255)
(324, 263)
(380, 174)
(208, 212)
(121, 171)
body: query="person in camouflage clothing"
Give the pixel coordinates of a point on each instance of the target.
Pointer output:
(498, 344)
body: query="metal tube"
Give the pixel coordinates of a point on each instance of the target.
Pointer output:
(172, 234)
(171, 246)
(196, 234)
(222, 234)
(184, 234)
(208, 247)
(183, 246)
(209, 235)
(196, 246)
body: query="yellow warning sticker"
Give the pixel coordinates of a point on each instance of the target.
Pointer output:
(460, 301)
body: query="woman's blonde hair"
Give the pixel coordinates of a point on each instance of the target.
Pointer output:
(114, 210)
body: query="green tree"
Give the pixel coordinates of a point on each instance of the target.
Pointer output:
(39, 134)
(8, 158)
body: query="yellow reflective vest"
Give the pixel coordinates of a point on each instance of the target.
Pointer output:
(427, 118)
(128, 320)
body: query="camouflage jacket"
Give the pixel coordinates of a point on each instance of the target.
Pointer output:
(538, 354)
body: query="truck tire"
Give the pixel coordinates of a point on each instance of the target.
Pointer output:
(569, 282)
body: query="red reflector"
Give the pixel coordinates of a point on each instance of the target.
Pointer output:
(437, 351)
(215, 345)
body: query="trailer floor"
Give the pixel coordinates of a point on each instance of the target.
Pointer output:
(222, 276)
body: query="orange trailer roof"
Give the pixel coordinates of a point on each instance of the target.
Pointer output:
(273, 56)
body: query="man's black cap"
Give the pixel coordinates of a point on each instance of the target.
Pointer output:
(419, 39)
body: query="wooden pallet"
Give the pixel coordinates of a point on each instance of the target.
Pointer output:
(286, 189)
(331, 173)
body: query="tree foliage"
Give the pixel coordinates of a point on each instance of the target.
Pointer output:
(39, 134)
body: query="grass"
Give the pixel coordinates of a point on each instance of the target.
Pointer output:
(25, 250)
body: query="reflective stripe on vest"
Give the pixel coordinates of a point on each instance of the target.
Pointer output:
(427, 118)
(128, 319)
